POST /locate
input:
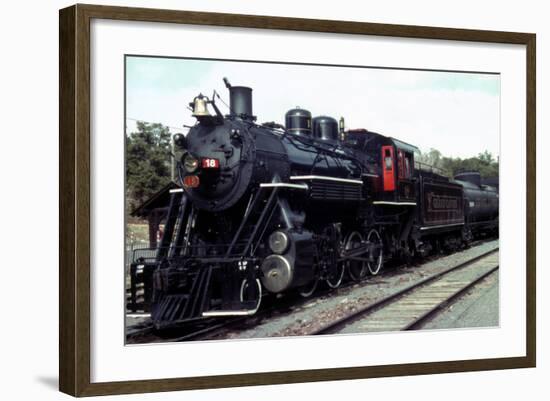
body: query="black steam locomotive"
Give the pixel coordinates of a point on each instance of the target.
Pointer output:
(273, 208)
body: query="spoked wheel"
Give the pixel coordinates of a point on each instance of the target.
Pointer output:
(329, 252)
(251, 292)
(376, 248)
(308, 290)
(336, 275)
(357, 269)
(411, 254)
(467, 237)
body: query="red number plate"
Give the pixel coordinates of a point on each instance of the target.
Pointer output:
(210, 163)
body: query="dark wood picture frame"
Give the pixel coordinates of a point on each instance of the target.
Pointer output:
(74, 203)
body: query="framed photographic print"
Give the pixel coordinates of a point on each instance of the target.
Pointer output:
(250, 200)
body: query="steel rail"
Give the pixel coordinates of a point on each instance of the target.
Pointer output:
(337, 325)
(418, 322)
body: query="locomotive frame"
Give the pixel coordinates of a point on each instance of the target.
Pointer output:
(75, 335)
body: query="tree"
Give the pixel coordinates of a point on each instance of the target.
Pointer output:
(432, 157)
(484, 163)
(147, 162)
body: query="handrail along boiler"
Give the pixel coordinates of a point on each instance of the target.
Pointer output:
(273, 208)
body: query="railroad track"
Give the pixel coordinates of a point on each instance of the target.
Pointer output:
(208, 329)
(410, 307)
(204, 330)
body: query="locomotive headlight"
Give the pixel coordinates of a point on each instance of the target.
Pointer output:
(190, 163)
(180, 141)
(278, 242)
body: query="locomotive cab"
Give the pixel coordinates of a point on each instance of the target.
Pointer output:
(394, 182)
(393, 187)
(396, 172)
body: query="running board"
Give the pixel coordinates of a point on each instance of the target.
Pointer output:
(217, 313)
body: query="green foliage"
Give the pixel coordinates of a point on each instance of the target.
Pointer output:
(147, 162)
(484, 162)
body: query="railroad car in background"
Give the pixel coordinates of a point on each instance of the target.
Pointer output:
(271, 208)
(481, 203)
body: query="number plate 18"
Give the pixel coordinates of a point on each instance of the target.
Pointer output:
(210, 163)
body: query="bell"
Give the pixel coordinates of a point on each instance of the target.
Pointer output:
(342, 127)
(199, 106)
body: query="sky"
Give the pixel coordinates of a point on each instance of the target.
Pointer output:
(456, 113)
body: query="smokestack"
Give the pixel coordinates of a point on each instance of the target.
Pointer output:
(240, 101)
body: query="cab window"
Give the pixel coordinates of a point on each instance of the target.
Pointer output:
(404, 162)
(400, 164)
(387, 159)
